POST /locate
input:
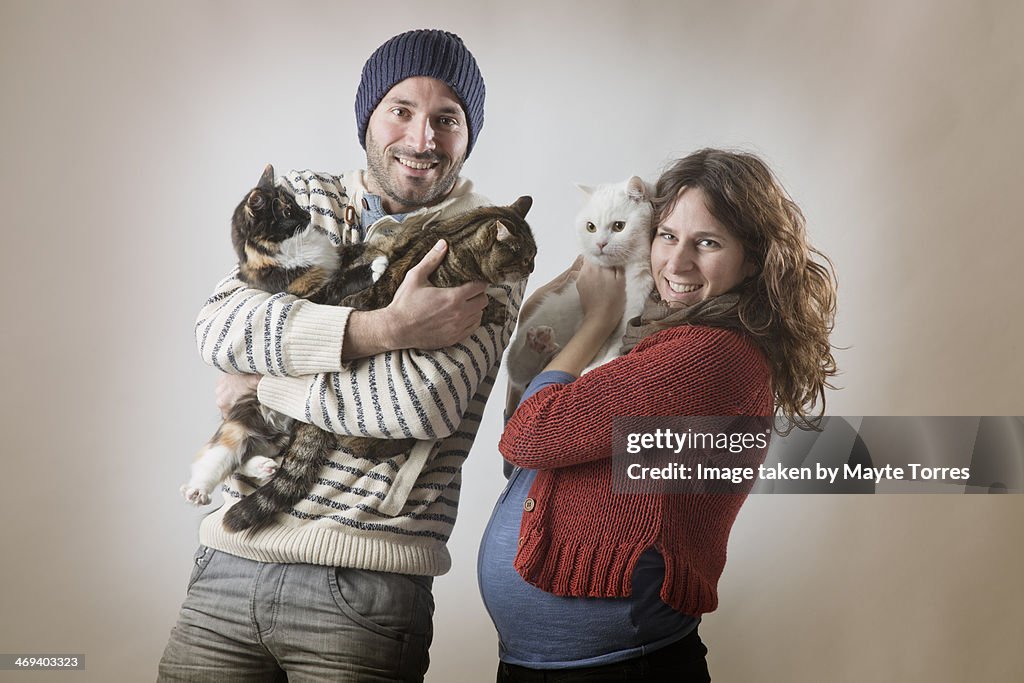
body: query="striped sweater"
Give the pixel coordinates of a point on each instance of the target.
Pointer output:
(393, 515)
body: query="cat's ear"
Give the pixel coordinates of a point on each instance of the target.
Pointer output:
(522, 205)
(586, 189)
(636, 189)
(503, 232)
(267, 179)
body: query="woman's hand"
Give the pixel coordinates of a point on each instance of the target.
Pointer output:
(602, 295)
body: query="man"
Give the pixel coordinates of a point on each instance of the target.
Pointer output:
(340, 588)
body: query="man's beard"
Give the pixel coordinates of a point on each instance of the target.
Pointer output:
(377, 165)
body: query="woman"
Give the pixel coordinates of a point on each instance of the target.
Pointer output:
(737, 324)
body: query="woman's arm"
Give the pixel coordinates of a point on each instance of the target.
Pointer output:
(602, 293)
(683, 371)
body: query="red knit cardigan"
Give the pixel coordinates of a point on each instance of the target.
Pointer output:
(580, 539)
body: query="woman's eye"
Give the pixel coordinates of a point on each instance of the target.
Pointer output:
(707, 243)
(618, 226)
(591, 227)
(667, 236)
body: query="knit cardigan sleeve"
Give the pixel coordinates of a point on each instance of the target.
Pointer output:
(688, 370)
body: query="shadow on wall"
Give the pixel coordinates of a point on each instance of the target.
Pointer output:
(901, 455)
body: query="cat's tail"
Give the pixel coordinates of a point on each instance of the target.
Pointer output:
(296, 477)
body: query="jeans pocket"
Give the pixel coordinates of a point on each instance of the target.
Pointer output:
(199, 563)
(392, 605)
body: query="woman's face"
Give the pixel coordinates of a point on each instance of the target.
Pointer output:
(693, 256)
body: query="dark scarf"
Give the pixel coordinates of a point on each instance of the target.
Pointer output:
(718, 311)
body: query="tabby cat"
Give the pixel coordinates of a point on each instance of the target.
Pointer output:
(280, 250)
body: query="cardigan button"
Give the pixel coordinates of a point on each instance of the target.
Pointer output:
(522, 540)
(529, 504)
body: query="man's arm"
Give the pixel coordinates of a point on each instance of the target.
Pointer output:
(406, 393)
(242, 330)
(419, 316)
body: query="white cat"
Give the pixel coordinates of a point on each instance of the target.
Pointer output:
(613, 229)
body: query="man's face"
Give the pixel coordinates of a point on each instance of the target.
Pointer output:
(416, 144)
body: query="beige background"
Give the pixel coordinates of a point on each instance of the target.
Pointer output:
(130, 129)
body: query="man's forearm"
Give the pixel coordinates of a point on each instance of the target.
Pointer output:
(243, 330)
(367, 334)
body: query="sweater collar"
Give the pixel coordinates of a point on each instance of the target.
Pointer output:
(355, 182)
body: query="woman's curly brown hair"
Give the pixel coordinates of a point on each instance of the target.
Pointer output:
(789, 305)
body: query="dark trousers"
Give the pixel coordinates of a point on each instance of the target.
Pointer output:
(682, 662)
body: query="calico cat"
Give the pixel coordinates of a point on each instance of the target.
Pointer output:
(613, 229)
(280, 250)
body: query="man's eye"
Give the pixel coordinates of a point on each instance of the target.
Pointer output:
(398, 111)
(448, 122)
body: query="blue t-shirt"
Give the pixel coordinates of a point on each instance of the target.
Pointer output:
(373, 211)
(544, 631)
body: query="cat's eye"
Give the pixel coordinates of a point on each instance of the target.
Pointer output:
(618, 226)
(591, 227)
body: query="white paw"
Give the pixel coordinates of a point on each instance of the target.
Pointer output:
(195, 495)
(378, 266)
(541, 339)
(260, 468)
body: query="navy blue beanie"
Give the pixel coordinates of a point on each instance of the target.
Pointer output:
(423, 52)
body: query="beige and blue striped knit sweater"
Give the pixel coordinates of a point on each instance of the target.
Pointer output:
(394, 515)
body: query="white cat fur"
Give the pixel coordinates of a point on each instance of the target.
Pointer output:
(557, 316)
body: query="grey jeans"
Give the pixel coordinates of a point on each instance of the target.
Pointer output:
(252, 621)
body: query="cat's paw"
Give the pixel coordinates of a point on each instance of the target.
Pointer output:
(195, 494)
(259, 468)
(541, 339)
(378, 266)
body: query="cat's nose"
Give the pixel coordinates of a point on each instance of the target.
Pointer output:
(602, 245)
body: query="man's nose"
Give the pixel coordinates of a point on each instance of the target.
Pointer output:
(420, 134)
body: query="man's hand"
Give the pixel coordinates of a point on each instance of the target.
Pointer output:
(420, 316)
(230, 388)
